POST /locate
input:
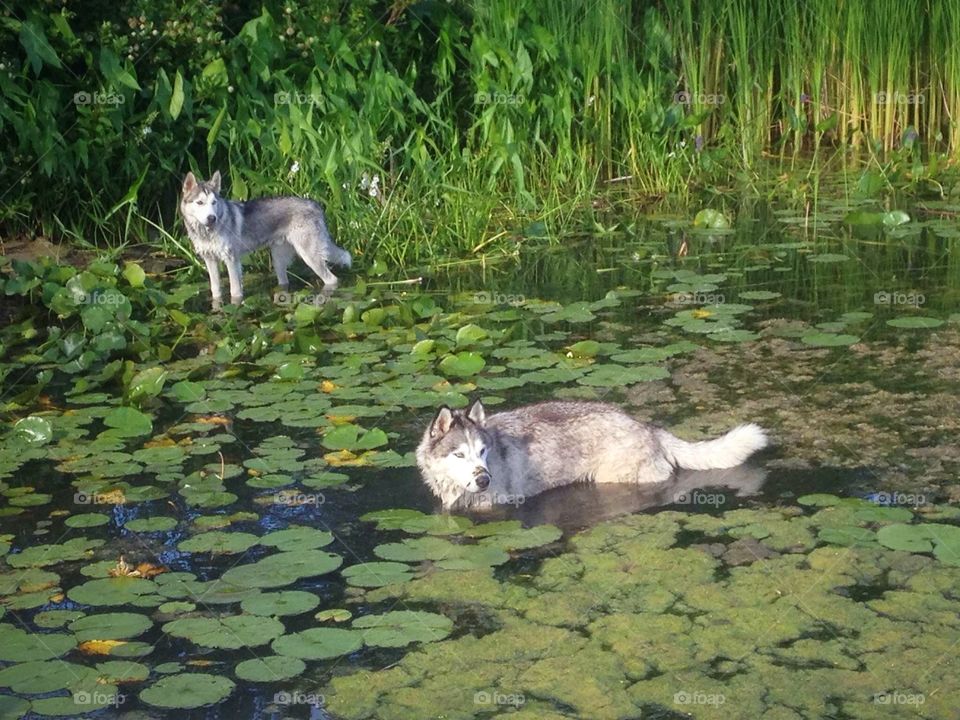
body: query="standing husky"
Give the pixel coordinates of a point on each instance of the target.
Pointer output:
(225, 231)
(470, 460)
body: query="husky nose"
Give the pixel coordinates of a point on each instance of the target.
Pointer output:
(482, 478)
(211, 219)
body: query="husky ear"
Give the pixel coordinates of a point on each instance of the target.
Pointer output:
(215, 181)
(189, 183)
(477, 413)
(441, 423)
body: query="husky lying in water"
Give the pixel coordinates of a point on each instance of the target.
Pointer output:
(471, 460)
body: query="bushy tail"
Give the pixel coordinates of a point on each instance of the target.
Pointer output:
(726, 451)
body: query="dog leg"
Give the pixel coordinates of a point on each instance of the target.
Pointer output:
(282, 254)
(213, 271)
(235, 271)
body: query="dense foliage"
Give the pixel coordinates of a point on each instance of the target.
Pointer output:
(418, 123)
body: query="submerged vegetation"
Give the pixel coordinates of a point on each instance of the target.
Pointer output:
(446, 128)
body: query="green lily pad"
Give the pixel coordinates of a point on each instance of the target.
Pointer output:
(911, 538)
(42, 555)
(759, 295)
(915, 322)
(353, 437)
(402, 627)
(187, 690)
(86, 520)
(318, 643)
(377, 574)
(110, 626)
(822, 339)
(288, 602)
(463, 364)
(297, 538)
(128, 422)
(17, 645)
(230, 632)
(272, 668)
(219, 542)
(284, 568)
(34, 429)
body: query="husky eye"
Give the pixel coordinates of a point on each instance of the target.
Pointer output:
(458, 454)
(199, 202)
(483, 452)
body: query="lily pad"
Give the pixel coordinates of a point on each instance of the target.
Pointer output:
(272, 668)
(318, 643)
(462, 364)
(822, 339)
(402, 627)
(219, 542)
(230, 632)
(288, 602)
(377, 574)
(187, 690)
(915, 322)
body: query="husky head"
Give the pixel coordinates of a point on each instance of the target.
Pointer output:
(453, 453)
(200, 202)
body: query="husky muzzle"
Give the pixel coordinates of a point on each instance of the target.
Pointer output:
(481, 477)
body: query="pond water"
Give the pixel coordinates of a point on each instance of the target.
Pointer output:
(230, 525)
